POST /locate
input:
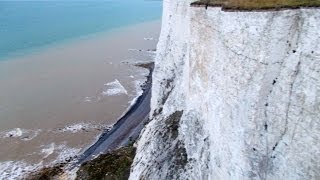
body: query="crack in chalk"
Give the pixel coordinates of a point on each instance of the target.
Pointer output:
(296, 72)
(244, 56)
(235, 52)
(298, 26)
(264, 163)
(169, 87)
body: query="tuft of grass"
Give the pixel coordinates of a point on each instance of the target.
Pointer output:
(47, 173)
(257, 4)
(113, 166)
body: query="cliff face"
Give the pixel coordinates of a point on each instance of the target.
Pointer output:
(236, 95)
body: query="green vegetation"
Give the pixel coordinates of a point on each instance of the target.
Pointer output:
(257, 4)
(47, 173)
(112, 166)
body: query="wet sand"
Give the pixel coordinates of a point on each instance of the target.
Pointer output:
(48, 92)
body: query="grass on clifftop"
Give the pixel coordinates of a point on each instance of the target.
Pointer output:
(258, 4)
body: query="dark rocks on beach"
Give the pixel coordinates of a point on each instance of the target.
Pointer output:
(146, 65)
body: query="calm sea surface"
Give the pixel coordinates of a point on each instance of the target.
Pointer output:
(29, 25)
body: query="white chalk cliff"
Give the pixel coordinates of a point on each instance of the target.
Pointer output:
(236, 95)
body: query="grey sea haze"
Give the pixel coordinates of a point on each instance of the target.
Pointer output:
(55, 99)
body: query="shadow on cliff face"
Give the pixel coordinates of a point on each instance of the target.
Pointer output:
(175, 152)
(179, 154)
(116, 164)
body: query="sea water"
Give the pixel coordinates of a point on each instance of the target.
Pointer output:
(26, 26)
(66, 74)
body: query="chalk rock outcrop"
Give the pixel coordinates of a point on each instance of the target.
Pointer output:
(236, 95)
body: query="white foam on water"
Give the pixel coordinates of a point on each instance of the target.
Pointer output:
(149, 51)
(65, 152)
(134, 50)
(138, 88)
(131, 76)
(31, 134)
(74, 128)
(17, 132)
(61, 152)
(48, 150)
(138, 91)
(148, 38)
(12, 170)
(114, 88)
(132, 102)
(23, 134)
(87, 99)
(137, 85)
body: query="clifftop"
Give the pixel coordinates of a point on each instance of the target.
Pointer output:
(248, 5)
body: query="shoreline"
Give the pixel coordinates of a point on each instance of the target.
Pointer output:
(59, 63)
(121, 136)
(85, 70)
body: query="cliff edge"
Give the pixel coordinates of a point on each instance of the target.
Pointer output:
(236, 95)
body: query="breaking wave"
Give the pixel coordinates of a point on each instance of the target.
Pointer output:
(23, 134)
(114, 88)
